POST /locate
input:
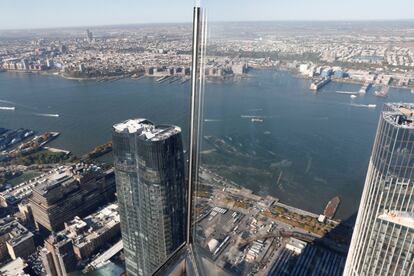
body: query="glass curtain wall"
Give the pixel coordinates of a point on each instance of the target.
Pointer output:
(288, 116)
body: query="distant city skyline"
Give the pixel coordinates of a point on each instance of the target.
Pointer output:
(27, 14)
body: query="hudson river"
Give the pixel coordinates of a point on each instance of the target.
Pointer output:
(309, 148)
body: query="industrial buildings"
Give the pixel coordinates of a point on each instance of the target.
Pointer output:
(382, 242)
(71, 191)
(150, 179)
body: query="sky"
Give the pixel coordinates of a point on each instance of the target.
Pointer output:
(32, 14)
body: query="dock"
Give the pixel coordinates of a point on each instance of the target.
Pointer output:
(347, 92)
(319, 83)
(365, 87)
(162, 79)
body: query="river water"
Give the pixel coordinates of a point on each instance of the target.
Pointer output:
(309, 148)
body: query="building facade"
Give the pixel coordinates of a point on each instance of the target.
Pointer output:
(57, 256)
(76, 190)
(151, 190)
(383, 238)
(15, 240)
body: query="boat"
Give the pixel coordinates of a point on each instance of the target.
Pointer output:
(353, 96)
(331, 207)
(11, 108)
(257, 120)
(382, 93)
(47, 115)
(365, 105)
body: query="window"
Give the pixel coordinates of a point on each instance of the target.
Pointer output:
(245, 138)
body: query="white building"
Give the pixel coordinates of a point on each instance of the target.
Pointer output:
(295, 245)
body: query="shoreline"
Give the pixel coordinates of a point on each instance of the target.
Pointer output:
(208, 78)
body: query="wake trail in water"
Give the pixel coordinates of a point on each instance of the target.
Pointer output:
(47, 115)
(364, 105)
(212, 120)
(8, 102)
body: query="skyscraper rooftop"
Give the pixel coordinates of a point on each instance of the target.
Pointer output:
(382, 239)
(146, 129)
(399, 114)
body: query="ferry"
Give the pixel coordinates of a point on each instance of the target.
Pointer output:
(48, 115)
(11, 108)
(364, 105)
(257, 120)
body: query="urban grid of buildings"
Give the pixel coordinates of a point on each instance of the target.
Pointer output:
(159, 51)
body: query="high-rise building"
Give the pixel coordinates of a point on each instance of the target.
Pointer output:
(383, 238)
(150, 179)
(89, 36)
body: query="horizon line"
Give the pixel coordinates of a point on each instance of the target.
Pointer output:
(217, 21)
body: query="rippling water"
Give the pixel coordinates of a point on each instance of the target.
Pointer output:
(309, 147)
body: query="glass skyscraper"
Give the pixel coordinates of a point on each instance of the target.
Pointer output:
(383, 239)
(151, 191)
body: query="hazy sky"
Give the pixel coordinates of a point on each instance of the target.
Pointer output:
(24, 14)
